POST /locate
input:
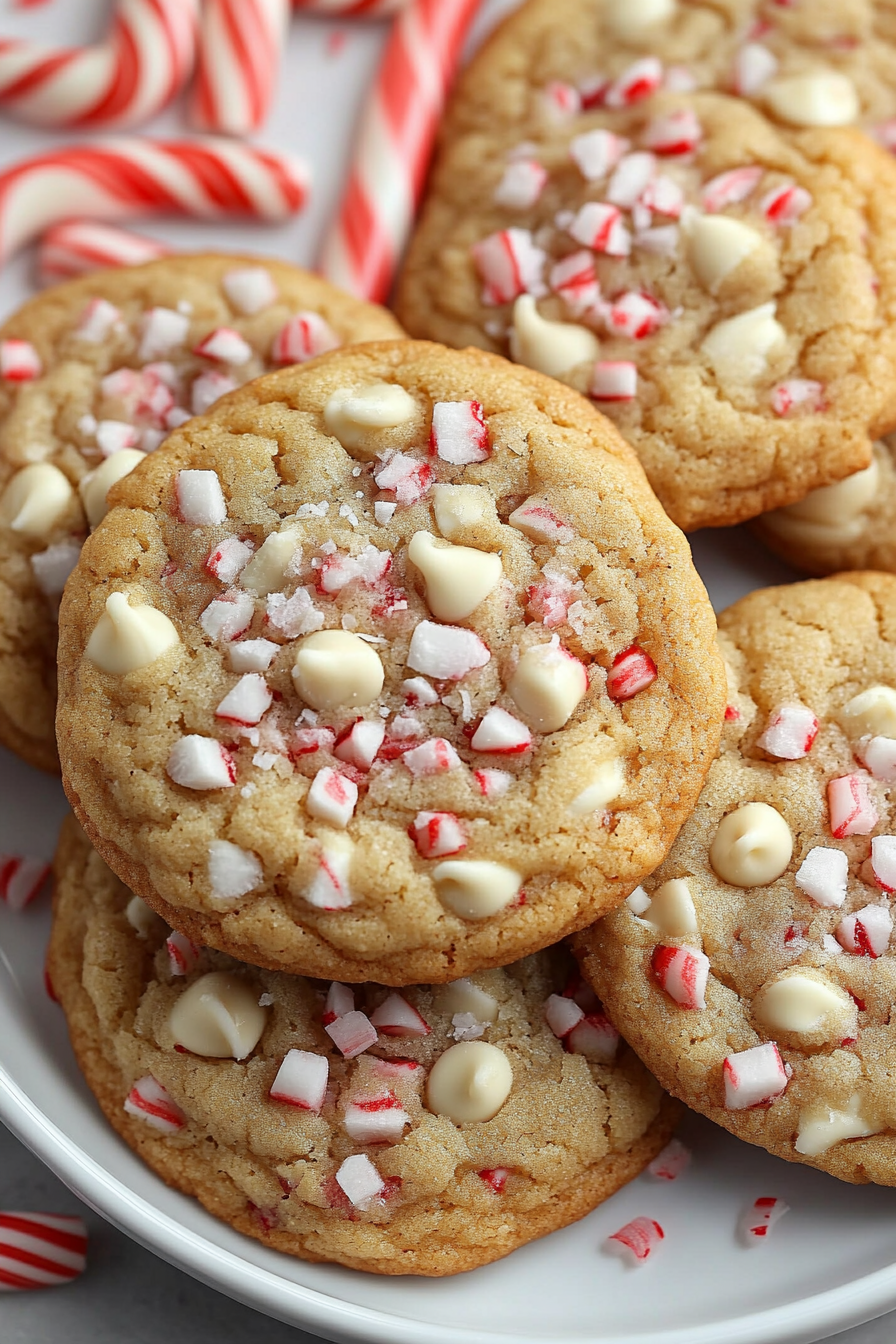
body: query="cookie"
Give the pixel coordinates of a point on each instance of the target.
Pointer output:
(94, 373)
(723, 288)
(333, 1124)
(380, 670)
(849, 525)
(755, 974)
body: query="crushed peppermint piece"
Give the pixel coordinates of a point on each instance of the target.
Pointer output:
(637, 1240)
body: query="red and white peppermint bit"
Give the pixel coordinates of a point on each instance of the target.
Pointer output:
(754, 65)
(671, 1162)
(595, 1037)
(127, 177)
(635, 315)
(883, 861)
(248, 701)
(225, 346)
(359, 744)
(438, 834)
(682, 973)
(729, 188)
(352, 1034)
(148, 1100)
(663, 197)
(19, 361)
(538, 521)
(614, 380)
(785, 204)
(867, 932)
(391, 158)
(601, 228)
(446, 652)
(633, 671)
(509, 264)
(562, 101)
(789, 733)
(639, 81)
(197, 762)
(303, 337)
(406, 476)
(631, 178)
(251, 289)
(521, 185)
(359, 1179)
(301, 1081)
(574, 278)
(78, 246)
(21, 879)
(562, 1014)
(182, 953)
(228, 616)
(329, 888)
(674, 134)
(339, 1001)
(366, 9)
(40, 1250)
(596, 153)
(435, 757)
(496, 1177)
(637, 1240)
(797, 392)
(459, 433)
(760, 1218)
(332, 797)
(753, 1077)
(396, 1017)
(379, 1119)
(240, 46)
(879, 755)
(229, 559)
(97, 321)
(823, 875)
(141, 66)
(492, 783)
(200, 500)
(501, 734)
(851, 807)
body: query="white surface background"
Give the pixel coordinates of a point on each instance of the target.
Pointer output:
(128, 1294)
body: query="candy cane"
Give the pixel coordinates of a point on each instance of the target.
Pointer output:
(128, 78)
(129, 177)
(368, 9)
(79, 246)
(40, 1250)
(240, 45)
(398, 127)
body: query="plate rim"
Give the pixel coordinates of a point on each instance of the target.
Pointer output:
(840, 1308)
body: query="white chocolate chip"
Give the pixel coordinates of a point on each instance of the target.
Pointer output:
(801, 1003)
(475, 888)
(752, 846)
(35, 500)
(458, 507)
(458, 578)
(607, 782)
(218, 1016)
(141, 917)
(671, 909)
(547, 686)
(816, 98)
(554, 348)
(840, 502)
(739, 348)
(717, 244)
(463, 996)
(820, 1127)
(266, 571)
(871, 712)
(469, 1083)
(351, 415)
(627, 19)
(126, 638)
(95, 486)
(336, 669)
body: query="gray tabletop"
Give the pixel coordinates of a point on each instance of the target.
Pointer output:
(128, 1294)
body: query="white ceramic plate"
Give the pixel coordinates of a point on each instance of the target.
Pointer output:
(830, 1264)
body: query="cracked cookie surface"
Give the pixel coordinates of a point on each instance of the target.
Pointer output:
(441, 1195)
(394, 710)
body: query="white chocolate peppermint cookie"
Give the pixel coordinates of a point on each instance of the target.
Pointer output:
(378, 670)
(754, 972)
(848, 525)
(722, 286)
(93, 376)
(425, 1131)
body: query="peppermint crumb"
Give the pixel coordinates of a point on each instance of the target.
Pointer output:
(265, 1001)
(356, 472)
(313, 510)
(184, 306)
(265, 760)
(247, 790)
(308, 716)
(359, 494)
(383, 512)
(345, 511)
(329, 547)
(349, 622)
(466, 1027)
(372, 639)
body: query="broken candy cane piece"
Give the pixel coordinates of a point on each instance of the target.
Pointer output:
(459, 432)
(635, 315)
(509, 264)
(597, 152)
(500, 733)
(227, 616)
(790, 732)
(208, 388)
(301, 1081)
(232, 871)
(21, 879)
(339, 1001)
(360, 1180)
(438, 834)
(162, 330)
(435, 757)
(759, 1219)
(329, 888)
(496, 1177)
(671, 1162)
(637, 1240)
(149, 1101)
(878, 754)
(601, 228)
(675, 133)
(407, 477)
(359, 744)
(595, 1037)
(574, 278)
(521, 185)
(200, 499)
(53, 566)
(332, 798)
(797, 392)
(883, 861)
(754, 66)
(19, 361)
(396, 1017)
(682, 973)
(867, 932)
(247, 702)
(753, 1077)
(303, 337)
(562, 1014)
(631, 178)
(493, 783)
(639, 81)
(250, 289)
(182, 953)
(196, 762)
(352, 1033)
(225, 346)
(730, 188)
(822, 875)
(613, 380)
(632, 671)
(229, 559)
(445, 652)
(851, 806)
(785, 204)
(379, 1119)
(537, 520)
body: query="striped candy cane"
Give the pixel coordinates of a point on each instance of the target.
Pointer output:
(40, 1250)
(21, 879)
(398, 127)
(129, 177)
(240, 46)
(78, 246)
(367, 9)
(145, 61)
